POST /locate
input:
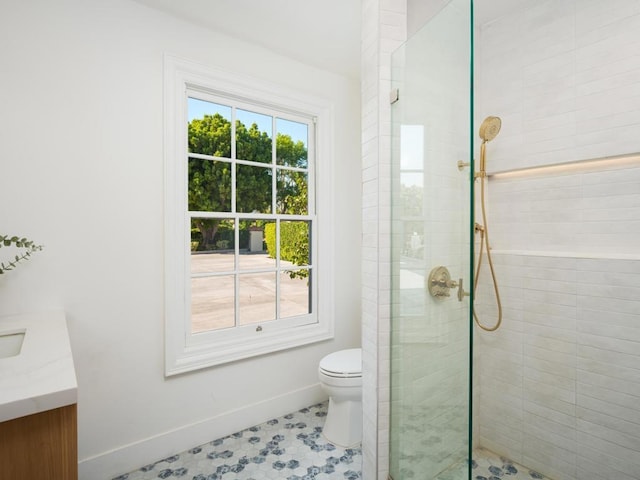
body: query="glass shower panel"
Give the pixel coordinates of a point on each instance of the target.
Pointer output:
(430, 367)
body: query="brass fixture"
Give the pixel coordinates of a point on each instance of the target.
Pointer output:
(439, 283)
(489, 129)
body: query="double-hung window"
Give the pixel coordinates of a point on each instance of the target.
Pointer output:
(245, 256)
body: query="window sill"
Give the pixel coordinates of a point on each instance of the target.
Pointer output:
(207, 354)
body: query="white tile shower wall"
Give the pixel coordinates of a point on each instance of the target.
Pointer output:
(383, 30)
(591, 213)
(564, 76)
(559, 381)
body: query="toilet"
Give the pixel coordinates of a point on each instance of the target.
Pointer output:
(340, 375)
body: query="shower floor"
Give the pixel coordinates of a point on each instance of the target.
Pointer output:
(431, 438)
(487, 465)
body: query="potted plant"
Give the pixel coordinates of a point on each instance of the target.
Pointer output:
(27, 246)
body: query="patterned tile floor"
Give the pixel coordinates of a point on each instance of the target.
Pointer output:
(290, 447)
(487, 465)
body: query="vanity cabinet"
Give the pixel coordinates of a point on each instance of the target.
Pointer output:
(40, 446)
(38, 400)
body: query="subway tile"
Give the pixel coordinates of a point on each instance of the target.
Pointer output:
(590, 469)
(552, 263)
(550, 301)
(621, 216)
(555, 433)
(608, 304)
(565, 272)
(491, 386)
(612, 455)
(608, 382)
(564, 386)
(594, 334)
(545, 360)
(604, 110)
(499, 414)
(615, 398)
(598, 74)
(551, 157)
(594, 13)
(618, 31)
(502, 432)
(545, 455)
(628, 415)
(608, 428)
(614, 176)
(622, 145)
(543, 395)
(614, 372)
(610, 266)
(605, 189)
(558, 191)
(543, 76)
(550, 320)
(616, 292)
(625, 142)
(555, 339)
(619, 335)
(568, 201)
(542, 285)
(511, 450)
(613, 358)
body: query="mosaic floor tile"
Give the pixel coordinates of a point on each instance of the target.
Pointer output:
(487, 465)
(290, 447)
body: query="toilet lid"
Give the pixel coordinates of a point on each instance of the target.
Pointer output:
(345, 363)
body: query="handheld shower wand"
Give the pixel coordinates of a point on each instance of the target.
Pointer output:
(489, 129)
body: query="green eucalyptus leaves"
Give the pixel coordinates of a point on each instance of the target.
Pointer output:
(27, 246)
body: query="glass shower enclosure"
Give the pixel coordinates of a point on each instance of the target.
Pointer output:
(432, 220)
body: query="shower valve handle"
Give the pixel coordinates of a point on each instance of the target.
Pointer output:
(459, 285)
(440, 282)
(461, 292)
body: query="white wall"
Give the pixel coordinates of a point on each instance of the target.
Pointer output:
(559, 381)
(81, 156)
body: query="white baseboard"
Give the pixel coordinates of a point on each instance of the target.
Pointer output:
(128, 458)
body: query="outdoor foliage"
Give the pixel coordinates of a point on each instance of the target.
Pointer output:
(210, 180)
(294, 244)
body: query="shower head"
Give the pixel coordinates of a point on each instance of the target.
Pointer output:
(489, 128)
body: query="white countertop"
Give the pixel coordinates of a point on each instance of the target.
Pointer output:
(42, 377)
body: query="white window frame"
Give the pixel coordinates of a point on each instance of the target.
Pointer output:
(185, 351)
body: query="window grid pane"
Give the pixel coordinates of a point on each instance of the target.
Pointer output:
(272, 285)
(257, 294)
(212, 303)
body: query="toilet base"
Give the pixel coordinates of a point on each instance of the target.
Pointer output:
(343, 425)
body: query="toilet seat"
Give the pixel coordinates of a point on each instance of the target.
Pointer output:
(342, 364)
